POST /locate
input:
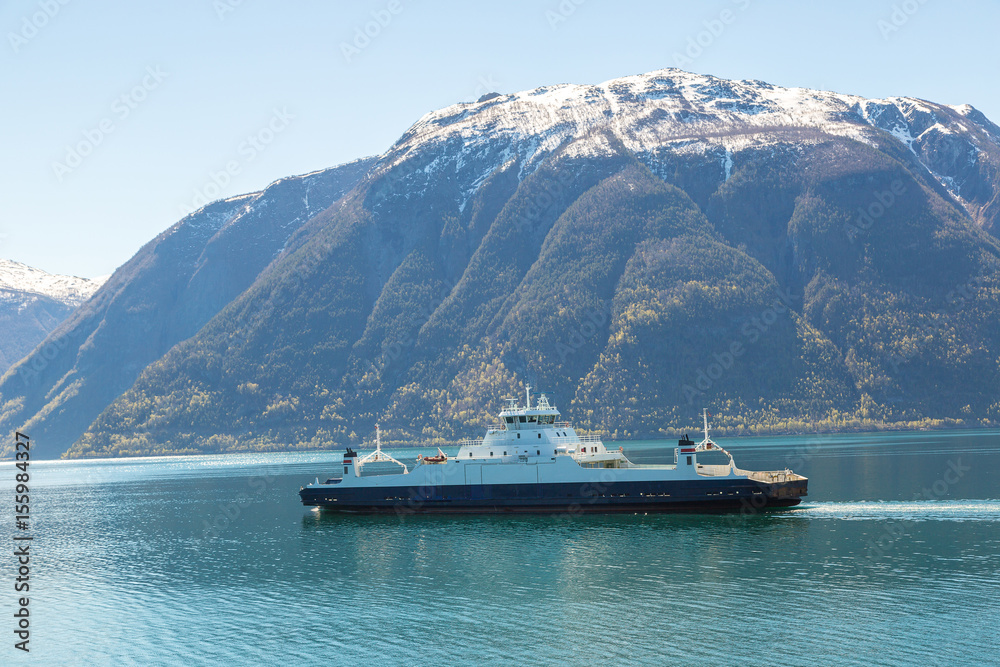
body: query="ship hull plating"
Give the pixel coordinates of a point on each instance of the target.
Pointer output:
(702, 495)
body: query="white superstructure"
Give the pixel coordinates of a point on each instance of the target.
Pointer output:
(535, 431)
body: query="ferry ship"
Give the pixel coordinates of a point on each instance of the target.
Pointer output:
(531, 461)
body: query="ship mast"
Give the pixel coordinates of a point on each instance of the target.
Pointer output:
(707, 442)
(527, 396)
(378, 455)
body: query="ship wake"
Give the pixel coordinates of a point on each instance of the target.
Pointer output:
(902, 510)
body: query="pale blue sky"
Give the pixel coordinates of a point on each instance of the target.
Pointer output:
(221, 79)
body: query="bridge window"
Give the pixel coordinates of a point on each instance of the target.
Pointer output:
(522, 419)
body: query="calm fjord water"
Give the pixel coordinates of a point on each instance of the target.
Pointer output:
(893, 559)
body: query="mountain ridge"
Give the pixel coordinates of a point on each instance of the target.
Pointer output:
(70, 290)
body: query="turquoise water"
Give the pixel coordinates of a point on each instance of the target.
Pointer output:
(893, 559)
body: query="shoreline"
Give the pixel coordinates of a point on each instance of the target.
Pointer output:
(722, 432)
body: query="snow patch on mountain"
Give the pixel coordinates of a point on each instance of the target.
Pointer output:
(902, 132)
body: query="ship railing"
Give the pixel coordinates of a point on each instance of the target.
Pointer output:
(771, 476)
(377, 467)
(714, 470)
(470, 442)
(574, 439)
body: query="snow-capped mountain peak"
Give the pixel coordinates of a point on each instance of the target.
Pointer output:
(70, 290)
(682, 112)
(661, 106)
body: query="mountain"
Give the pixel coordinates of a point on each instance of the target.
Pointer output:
(32, 304)
(174, 285)
(640, 248)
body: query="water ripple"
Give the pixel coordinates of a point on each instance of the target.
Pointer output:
(125, 572)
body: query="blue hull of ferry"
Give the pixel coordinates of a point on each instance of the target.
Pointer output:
(668, 496)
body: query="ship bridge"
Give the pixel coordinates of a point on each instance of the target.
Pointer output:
(542, 414)
(531, 432)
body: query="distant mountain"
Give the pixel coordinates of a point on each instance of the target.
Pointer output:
(32, 304)
(165, 294)
(639, 248)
